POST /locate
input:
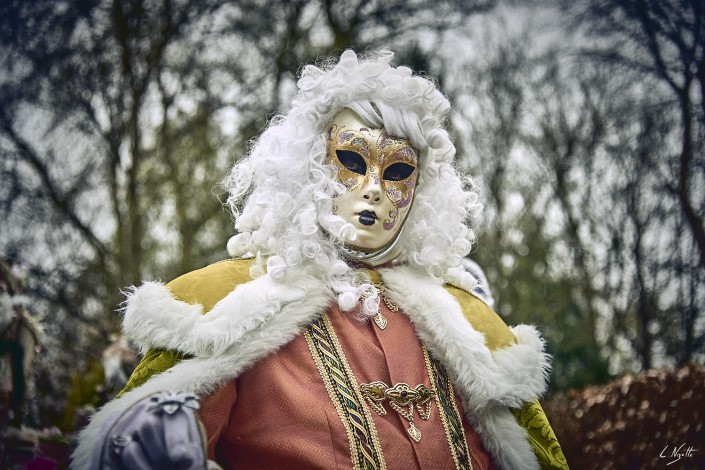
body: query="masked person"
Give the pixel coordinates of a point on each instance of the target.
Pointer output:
(344, 332)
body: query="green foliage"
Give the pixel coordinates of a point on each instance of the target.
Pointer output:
(527, 291)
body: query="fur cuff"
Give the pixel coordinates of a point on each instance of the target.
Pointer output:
(527, 362)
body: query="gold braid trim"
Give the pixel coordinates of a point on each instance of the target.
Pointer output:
(348, 399)
(448, 411)
(341, 384)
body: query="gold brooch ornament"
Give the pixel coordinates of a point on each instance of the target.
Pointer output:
(347, 397)
(403, 399)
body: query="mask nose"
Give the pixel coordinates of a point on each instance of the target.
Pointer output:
(371, 190)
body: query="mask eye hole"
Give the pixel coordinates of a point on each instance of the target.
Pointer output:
(353, 161)
(398, 172)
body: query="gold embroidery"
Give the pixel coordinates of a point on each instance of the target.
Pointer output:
(347, 398)
(341, 384)
(448, 411)
(541, 436)
(402, 399)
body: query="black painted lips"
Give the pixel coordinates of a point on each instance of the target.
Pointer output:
(367, 217)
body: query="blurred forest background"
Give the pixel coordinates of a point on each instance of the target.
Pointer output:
(584, 123)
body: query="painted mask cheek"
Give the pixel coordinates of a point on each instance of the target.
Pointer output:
(401, 193)
(399, 162)
(350, 179)
(400, 174)
(400, 197)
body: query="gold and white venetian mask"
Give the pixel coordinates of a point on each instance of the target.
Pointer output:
(380, 172)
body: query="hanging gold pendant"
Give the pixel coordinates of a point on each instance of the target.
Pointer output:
(380, 321)
(414, 432)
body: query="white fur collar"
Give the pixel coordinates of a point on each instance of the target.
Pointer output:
(487, 381)
(271, 313)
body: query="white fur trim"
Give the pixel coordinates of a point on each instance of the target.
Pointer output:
(273, 316)
(487, 381)
(507, 377)
(153, 318)
(168, 320)
(470, 277)
(461, 279)
(505, 439)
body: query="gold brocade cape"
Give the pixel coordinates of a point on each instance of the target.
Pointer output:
(499, 372)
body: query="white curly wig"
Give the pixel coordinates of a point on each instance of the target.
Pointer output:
(281, 195)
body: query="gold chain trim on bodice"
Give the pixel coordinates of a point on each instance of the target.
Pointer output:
(402, 398)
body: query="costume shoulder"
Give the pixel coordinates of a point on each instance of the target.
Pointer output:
(483, 318)
(531, 416)
(468, 284)
(206, 286)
